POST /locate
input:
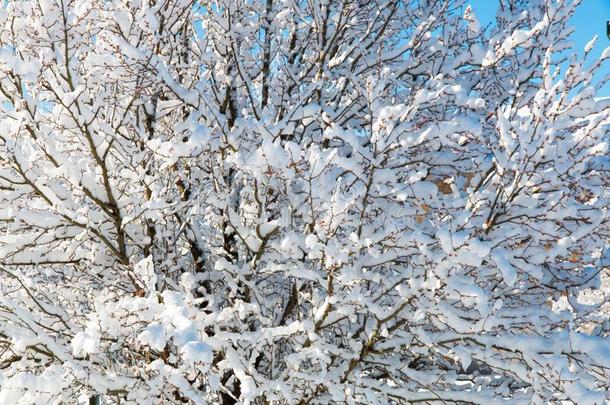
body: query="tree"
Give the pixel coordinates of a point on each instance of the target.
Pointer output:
(290, 201)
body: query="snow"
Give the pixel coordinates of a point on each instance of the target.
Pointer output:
(590, 44)
(154, 335)
(197, 352)
(396, 204)
(509, 273)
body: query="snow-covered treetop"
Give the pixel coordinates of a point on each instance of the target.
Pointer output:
(290, 201)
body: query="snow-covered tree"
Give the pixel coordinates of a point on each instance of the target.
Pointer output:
(291, 201)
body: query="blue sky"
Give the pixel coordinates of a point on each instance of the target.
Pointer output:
(589, 20)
